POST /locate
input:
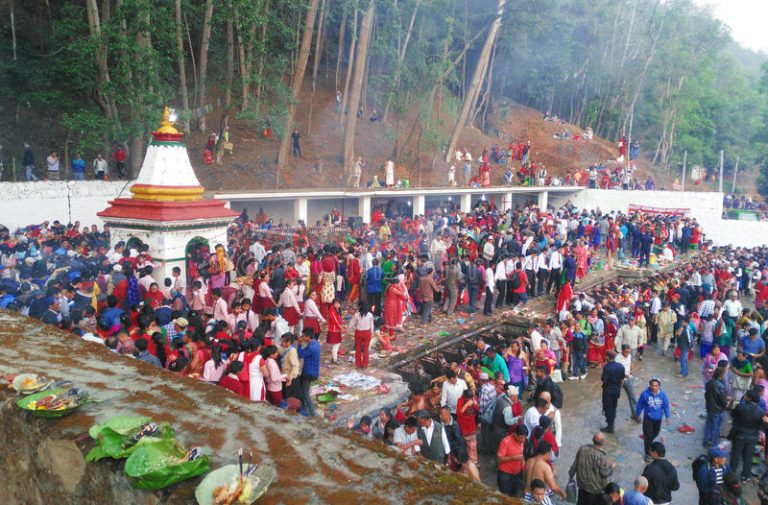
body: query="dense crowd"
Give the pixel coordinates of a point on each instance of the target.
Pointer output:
(694, 308)
(250, 315)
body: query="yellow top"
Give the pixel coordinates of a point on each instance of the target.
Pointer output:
(165, 124)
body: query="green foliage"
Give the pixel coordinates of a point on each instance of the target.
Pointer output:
(697, 91)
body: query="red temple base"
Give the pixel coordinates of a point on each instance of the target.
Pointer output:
(128, 208)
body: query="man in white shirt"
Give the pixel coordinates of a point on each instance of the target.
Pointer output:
(500, 277)
(530, 265)
(509, 267)
(553, 413)
(302, 267)
(146, 280)
(535, 337)
(406, 437)
(488, 249)
(625, 359)
(630, 334)
(453, 388)
(427, 428)
(258, 251)
(533, 414)
(179, 284)
(542, 273)
(219, 305)
(732, 307)
(490, 290)
(117, 253)
(555, 268)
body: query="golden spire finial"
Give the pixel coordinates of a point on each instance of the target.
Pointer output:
(165, 124)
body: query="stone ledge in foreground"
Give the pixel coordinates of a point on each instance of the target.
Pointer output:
(43, 459)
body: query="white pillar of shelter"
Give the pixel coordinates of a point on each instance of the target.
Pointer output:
(543, 200)
(419, 205)
(364, 208)
(466, 202)
(300, 210)
(506, 201)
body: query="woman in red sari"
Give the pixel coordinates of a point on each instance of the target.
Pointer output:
(564, 296)
(334, 331)
(394, 305)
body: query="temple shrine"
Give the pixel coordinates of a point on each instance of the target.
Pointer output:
(167, 209)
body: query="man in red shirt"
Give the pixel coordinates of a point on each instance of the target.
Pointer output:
(511, 462)
(119, 158)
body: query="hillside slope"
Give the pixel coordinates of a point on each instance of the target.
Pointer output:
(251, 166)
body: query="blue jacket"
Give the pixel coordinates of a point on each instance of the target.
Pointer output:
(373, 279)
(654, 407)
(311, 356)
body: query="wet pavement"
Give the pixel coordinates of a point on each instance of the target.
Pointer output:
(582, 417)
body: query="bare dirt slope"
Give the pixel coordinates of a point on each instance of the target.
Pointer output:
(252, 164)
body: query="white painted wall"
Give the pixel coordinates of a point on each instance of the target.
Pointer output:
(739, 233)
(25, 203)
(706, 207)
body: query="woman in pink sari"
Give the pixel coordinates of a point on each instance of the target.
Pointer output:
(582, 254)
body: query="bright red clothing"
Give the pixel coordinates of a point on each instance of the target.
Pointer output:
(523, 282)
(467, 419)
(334, 326)
(232, 384)
(511, 447)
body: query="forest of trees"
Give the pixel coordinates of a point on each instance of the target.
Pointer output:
(665, 72)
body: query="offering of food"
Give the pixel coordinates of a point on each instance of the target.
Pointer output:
(234, 485)
(54, 402)
(163, 463)
(29, 383)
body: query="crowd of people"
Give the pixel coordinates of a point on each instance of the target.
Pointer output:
(259, 317)
(513, 166)
(79, 169)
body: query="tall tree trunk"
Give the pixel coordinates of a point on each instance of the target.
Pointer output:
(13, 29)
(138, 143)
(191, 54)
(262, 51)
(340, 51)
(182, 69)
(296, 82)
(477, 80)
(350, 65)
(205, 42)
(102, 76)
(245, 59)
(230, 72)
(316, 64)
(400, 58)
(361, 57)
(487, 92)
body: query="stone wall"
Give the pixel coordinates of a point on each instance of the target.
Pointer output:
(42, 460)
(24, 203)
(706, 207)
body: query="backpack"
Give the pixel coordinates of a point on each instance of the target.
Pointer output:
(557, 395)
(487, 415)
(515, 280)
(696, 466)
(529, 448)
